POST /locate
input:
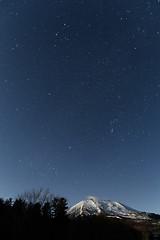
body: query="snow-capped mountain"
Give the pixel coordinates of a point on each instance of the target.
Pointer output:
(95, 206)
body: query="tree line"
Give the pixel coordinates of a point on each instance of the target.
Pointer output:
(39, 215)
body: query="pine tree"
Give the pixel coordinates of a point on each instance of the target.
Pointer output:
(59, 208)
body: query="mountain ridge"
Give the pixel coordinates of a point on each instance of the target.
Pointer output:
(95, 206)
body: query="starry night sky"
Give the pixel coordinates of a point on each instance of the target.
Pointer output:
(80, 99)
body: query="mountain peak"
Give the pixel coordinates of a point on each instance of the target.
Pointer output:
(94, 206)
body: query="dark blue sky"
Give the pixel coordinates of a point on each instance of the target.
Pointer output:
(80, 99)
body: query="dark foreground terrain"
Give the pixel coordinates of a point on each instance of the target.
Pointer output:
(47, 220)
(22, 220)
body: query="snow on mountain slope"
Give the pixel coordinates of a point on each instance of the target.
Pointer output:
(95, 206)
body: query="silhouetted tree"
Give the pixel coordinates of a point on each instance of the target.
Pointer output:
(59, 208)
(19, 207)
(46, 210)
(35, 196)
(34, 210)
(1, 205)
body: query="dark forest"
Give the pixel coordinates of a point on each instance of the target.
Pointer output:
(36, 216)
